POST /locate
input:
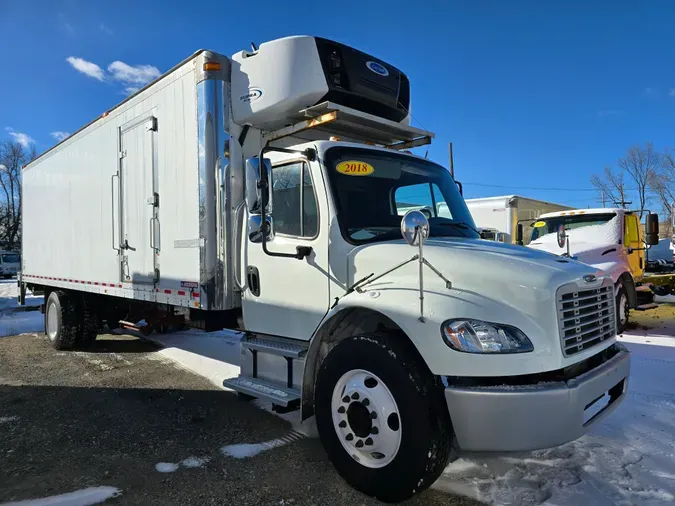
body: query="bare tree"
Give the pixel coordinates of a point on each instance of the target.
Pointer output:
(663, 183)
(13, 156)
(642, 163)
(611, 184)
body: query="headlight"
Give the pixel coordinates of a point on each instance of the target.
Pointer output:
(476, 336)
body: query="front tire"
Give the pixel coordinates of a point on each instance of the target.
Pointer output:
(381, 416)
(61, 324)
(622, 310)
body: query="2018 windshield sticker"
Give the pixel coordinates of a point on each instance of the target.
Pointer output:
(539, 224)
(355, 168)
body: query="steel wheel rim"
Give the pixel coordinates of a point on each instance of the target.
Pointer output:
(366, 418)
(52, 321)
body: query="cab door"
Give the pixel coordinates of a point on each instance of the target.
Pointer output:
(633, 244)
(286, 296)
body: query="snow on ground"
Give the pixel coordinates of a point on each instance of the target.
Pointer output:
(85, 497)
(13, 321)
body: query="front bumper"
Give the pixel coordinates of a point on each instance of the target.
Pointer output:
(532, 417)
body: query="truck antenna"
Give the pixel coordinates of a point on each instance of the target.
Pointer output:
(253, 47)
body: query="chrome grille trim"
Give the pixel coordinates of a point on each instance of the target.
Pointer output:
(585, 316)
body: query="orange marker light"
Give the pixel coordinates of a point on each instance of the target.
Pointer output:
(212, 65)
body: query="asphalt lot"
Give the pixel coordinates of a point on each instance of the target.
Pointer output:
(107, 417)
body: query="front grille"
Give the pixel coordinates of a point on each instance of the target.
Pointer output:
(586, 317)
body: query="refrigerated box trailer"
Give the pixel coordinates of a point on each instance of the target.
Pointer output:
(267, 192)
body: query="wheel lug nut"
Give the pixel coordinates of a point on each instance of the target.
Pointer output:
(342, 424)
(374, 430)
(341, 410)
(346, 398)
(369, 441)
(359, 444)
(349, 437)
(355, 396)
(373, 415)
(365, 402)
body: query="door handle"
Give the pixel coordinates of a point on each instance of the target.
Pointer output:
(112, 203)
(237, 242)
(153, 231)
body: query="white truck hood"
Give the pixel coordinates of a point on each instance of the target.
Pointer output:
(499, 271)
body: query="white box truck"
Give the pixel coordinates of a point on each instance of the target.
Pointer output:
(498, 217)
(265, 192)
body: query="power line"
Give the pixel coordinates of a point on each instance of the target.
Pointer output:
(541, 188)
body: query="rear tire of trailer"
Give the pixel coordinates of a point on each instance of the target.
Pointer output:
(61, 320)
(381, 416)
(622, 310)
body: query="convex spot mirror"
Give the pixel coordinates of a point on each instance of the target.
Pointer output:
(256, 194)
(562, 237)
(652, 229)
(414, 227)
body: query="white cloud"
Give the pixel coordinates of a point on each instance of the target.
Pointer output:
(59, 136)
(651, 92)
(3, 168)
(86, 67)
(130, 75)
(105, 29)
(24, 139)
(671, 93)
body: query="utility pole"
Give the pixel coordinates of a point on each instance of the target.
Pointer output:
(603, 198)
(452, 162)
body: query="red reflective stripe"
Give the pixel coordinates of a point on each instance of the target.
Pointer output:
(167, 291)
(181, 292)
(195, 295)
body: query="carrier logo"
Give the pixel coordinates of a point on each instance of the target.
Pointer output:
(589, 278)
(252, 95)
(378, 68)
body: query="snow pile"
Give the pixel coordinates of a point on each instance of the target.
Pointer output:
(85, 497)
(13, 322)
(628, 459)
(190, 463)
(242, 451)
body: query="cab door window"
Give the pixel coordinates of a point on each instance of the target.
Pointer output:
(294, 207)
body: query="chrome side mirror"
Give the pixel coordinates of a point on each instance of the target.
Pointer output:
(255, 230)
(255, 195)
(414, 228)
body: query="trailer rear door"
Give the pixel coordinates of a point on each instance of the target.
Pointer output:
(139, 201)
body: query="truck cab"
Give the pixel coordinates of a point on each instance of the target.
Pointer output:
(610, 239)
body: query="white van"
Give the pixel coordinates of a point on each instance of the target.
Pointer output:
(9, 264)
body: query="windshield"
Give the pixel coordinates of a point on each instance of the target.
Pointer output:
(374, 189)
(10, 258)
(550, 225)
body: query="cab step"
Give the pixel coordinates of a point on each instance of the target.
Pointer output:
(275, 393)
(646, 307)
(275, 347)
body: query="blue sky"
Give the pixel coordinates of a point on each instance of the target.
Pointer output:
(531, 93)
